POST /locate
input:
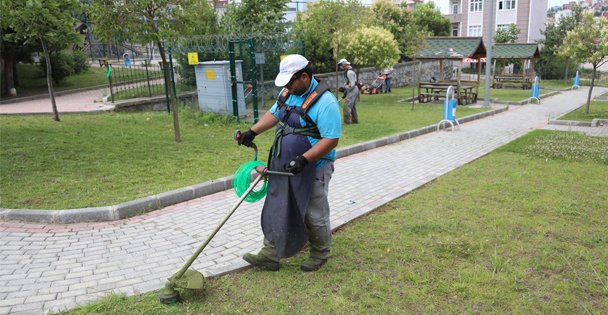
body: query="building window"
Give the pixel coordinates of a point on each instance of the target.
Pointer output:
(502, 27)
(474, 30)
(455, 30)
(506, 4)
(476, 5)
(455, 8)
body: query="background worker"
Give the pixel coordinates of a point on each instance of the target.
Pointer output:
(352, 91)
(388, 77)
(308, 128)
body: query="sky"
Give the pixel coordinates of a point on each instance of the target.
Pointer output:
(443, 4)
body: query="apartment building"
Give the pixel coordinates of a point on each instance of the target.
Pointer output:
(471, 17)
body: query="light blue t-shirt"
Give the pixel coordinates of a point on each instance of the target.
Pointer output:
(325, 113)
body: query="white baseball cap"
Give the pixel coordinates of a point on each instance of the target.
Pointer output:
(343, 61)
(288, 67)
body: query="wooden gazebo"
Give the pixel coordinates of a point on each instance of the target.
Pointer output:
(455, 49)
(524, 52)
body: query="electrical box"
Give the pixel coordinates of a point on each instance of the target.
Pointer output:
(214, 88)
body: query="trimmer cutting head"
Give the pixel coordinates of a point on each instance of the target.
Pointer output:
(191, 279)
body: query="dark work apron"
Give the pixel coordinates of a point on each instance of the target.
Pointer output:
(287, 199)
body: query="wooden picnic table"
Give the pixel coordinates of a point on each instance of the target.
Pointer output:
(429, 91)
(525, 82)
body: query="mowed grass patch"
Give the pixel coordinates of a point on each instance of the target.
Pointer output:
(555, 84)
(105, 159)
(513, 232)
(597, 109)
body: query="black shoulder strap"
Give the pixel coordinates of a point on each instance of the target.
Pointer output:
(314, 96)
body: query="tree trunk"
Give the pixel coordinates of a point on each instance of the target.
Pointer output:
(590, 89)
(9, 74)
(172, 96)
(566, 74)
(49, 78)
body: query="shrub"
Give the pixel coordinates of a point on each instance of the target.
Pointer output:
(66, 63)
(80, 61)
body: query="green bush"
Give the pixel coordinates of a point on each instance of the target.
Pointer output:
(80, 61)
(66, 63)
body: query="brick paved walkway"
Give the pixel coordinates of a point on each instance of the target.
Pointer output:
(58, 267)
(76, 102)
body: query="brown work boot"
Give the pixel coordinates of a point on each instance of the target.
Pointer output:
(261, 262)
(312, 264)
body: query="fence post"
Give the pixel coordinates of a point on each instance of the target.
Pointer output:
(148, 77)
(163, 66)
(254, 79)
(235, 105)
(110, 80)
(172, 75)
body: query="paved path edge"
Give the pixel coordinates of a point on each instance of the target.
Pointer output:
(147, 204)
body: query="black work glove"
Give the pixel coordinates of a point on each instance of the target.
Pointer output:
(296, 165)
(341, 89)
(247, 138)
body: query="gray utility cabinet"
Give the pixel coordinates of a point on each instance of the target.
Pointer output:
(214, 88)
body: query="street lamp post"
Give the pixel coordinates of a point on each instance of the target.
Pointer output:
(486, 100)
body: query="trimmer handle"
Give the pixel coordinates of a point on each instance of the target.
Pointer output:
(237, 136)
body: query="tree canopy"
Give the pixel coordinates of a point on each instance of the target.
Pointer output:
(254, 16)
(402, 24)
(325, 26)
(46, 22)
(429, 17)
(373, 46)
(587, 44)
(507, 35)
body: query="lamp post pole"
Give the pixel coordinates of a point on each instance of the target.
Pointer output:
(486, 100)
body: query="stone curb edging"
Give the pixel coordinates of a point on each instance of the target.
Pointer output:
(595, 122)
(527, 101)
(146, 204)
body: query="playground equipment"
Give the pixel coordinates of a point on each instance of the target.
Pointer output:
(449, 109)
(576, 81)
(535, 90)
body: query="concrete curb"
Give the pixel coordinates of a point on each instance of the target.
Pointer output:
(146, 204)
(595, 122)
(527, 101)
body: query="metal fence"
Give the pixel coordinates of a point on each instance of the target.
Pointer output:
(137, 78)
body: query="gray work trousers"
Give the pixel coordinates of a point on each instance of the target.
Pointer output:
(350, 107)
(316, 218)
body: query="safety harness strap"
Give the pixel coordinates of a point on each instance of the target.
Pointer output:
(311, 129)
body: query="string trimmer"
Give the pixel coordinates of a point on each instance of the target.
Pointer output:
(189, 278)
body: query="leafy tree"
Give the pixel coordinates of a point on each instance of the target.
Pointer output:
(153, 21)
(402, 24)
(551, 64)
(429, 17)
(323, 26)
(254, 16)
(48, 22)
(587, 44)
(12, 52)
(373, 46)
(507, 35)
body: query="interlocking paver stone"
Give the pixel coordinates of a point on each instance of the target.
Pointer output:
(78, 263)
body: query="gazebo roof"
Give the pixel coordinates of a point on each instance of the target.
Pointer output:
(515, 51)
(452, 48)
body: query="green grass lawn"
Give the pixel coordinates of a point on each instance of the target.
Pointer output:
(105, 159)
(597, 109)
(507, 94)
(555, 84)
(33, 81)
(522, 239)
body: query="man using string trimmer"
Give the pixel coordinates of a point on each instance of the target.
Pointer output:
(308, 127)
